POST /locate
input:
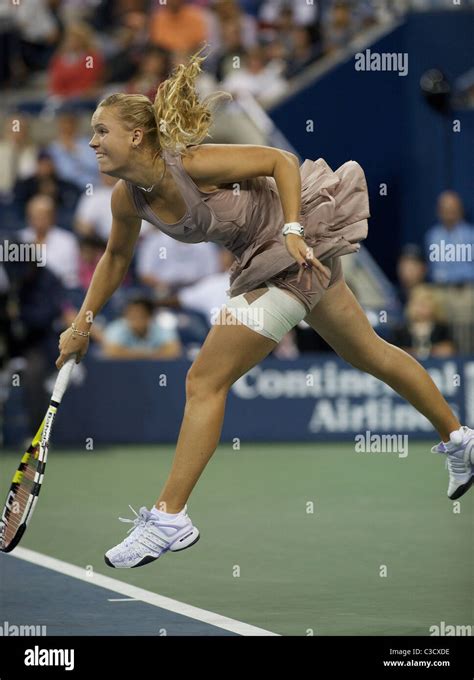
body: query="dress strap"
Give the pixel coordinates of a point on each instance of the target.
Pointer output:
(190, 191)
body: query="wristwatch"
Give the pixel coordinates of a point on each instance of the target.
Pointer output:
(293, 228)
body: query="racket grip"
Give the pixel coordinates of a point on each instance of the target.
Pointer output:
(63, 379)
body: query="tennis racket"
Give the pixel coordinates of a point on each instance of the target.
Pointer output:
(28, 478)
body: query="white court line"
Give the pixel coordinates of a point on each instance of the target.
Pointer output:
(93, 578)
(122, 599)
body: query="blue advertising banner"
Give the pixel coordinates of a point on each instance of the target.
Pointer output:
(315, 398)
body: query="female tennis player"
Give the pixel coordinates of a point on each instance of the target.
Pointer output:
(288, 227)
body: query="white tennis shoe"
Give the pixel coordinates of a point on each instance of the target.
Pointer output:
(150, 537)
(459, 461)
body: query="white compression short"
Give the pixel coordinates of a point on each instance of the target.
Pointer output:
(273, 313)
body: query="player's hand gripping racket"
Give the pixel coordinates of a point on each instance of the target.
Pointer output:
(27, 481)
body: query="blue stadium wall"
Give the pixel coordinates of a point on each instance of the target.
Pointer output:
(381, 120)
(313, 399)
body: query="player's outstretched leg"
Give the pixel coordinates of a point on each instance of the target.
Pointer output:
(340, 320)
(230, 350)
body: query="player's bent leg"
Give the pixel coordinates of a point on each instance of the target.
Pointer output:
(340, 320)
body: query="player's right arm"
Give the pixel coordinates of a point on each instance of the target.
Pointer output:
(109, 273)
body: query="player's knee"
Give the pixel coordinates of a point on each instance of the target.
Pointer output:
(203, 384)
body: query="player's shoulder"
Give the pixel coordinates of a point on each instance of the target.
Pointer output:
(121, 202)
(198, 160)
(205, 150)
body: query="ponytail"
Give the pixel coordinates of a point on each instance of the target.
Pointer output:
(182, 118)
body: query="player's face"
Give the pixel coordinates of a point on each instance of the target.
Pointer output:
(111, 142)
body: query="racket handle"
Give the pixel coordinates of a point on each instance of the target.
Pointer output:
(63, 379)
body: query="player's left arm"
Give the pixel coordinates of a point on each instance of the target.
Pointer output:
(217, 164)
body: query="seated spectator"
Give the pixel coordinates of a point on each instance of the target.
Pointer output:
(449, 244)
(76, 69)
(140, 335)
(10, 66)
(167, 265)
(303, 52)
(339, 27)
(153, 69)
(91, 249)
(411, 270)
(18, 152)
(39, 30)
(257, 76)
(103, 15)
(178, 26)
(62, 251)
(93, 213)
(229, 12)
(125, 47)
(369, 13)
(304, 13)
(424, 334)
(230, 48)
(279, 37)
(36, 320)
(45, 181)
(73, 158)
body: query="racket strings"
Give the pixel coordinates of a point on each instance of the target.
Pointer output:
(19, 499)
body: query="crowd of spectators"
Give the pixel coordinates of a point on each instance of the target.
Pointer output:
(83, 47)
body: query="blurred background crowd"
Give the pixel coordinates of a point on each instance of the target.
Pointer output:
(58, 58)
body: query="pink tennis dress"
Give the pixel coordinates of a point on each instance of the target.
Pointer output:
(247, 219)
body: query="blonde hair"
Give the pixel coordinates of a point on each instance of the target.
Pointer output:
(177, 118)
(425, 291)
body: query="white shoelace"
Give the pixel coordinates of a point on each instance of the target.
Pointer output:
(147, 537)
(138, 523)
